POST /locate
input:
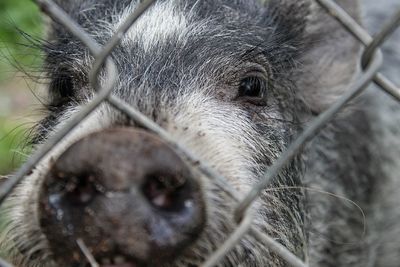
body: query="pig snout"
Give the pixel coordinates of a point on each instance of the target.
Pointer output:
(126, 194)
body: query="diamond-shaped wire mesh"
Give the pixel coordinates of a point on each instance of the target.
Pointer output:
(371, 61)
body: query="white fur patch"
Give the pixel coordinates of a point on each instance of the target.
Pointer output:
(160, 22)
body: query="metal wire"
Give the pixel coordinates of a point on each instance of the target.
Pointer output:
(381, 37)
(319, 123)
(362, 35)
(371, 61)
(3, 263)
(232, 241)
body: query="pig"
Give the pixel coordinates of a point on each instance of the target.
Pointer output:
(235, 82)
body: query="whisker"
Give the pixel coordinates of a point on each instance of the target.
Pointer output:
(343, 198)
(85, 250)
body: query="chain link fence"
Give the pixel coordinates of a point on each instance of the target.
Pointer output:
(371, 62)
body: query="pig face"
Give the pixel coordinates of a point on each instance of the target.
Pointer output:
(231, 80)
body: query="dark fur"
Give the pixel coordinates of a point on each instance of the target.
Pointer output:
(309, 59)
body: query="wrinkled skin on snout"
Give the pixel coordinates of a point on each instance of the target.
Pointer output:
(233, 81)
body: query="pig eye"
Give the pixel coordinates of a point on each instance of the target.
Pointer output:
(64, 86)
(252, 88)
(61, 89)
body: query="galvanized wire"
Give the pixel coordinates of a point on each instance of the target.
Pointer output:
(370, 61)
(242, 229)
(59, 15)
(3, 263)
(362, 35)
(319, 123)
(380, 38)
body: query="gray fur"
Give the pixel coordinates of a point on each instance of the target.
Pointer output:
(185, 78)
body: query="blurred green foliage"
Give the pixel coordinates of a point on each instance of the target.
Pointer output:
(12, 145)
(16, 16)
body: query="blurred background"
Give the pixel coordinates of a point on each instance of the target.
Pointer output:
(19, 61)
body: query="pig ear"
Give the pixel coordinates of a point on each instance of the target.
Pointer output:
(289, 16)
(329, 57)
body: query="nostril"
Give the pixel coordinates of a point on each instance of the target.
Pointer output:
(73, 189)
(81, 190)
(165, 191)
(124, 192)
